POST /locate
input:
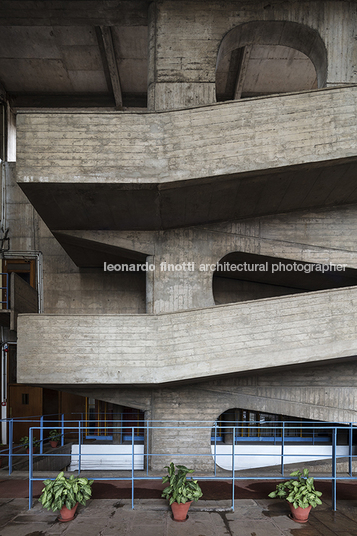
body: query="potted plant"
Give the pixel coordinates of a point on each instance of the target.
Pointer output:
(300, 494)
(54, 436)
(65, 494)
(181, 491)
(25, 442)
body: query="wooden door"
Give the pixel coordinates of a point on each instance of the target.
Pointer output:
(25, 401)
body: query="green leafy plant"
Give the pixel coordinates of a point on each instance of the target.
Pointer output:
(25, 442)
(65, 492)
(300, 492)
(180, 489)
(54, 435)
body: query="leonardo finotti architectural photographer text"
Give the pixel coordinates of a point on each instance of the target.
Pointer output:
(307, 268)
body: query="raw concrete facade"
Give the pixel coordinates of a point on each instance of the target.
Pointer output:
(179, 185)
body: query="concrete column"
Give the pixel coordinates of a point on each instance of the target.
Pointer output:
(169, 89)
(150, 285)
(152, 14)
(117, 414)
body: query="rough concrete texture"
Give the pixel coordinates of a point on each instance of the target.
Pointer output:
(183, 58)
(187, 144)
(260, 134)
(165, 178)
(64, 287)
(191, 166)
(190, 344)
(320, 392)
(320, 236)
(107, 517)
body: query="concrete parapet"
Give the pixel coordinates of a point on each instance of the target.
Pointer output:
(202, 343)
(151, 168)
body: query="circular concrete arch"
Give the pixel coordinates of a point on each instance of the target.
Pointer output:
(284, 33)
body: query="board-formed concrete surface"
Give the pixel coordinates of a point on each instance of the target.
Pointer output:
(202, 343)
(205, 164)
(217, 140)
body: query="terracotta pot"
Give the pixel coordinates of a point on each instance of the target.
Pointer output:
(300, 515)
(28, 451)
(53, 444)
(179, 511)
(67, 515)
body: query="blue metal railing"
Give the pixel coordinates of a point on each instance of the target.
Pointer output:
(149, 428)
(58, 423)
(13, 450)
(190, 425)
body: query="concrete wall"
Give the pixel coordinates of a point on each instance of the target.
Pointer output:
(144, 349)
(24, 299)
(183, 54)
(226, 290)
(321, 392)
(321, 236)
(66, 288)
(223, 139)
(272, 155)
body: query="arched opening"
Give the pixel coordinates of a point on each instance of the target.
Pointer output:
(250, 426)
(268, 57)
(243, 276)
(257, 438)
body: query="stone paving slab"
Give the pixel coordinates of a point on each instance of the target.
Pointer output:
(151, 517)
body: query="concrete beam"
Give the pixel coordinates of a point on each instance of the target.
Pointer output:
(29, 101)
(110, 62)
(73, 12)
(242, 72)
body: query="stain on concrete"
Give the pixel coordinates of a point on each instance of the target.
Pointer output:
(225, 521)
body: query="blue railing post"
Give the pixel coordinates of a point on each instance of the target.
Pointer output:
(282, 448)
(62, 429)
(233, 465)
(147, 448)
(215, 448)
(334, 469)
(79, 447)
(132, 467)
(30, 467)
(41, 434)
(350, 453)
(11, 444)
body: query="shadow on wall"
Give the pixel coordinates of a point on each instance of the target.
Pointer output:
(269, 57)
(244, 276)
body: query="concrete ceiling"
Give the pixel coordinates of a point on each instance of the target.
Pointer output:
(285, 277)
(75, 53)
(91, 254)
(87, 53)
(65, 206)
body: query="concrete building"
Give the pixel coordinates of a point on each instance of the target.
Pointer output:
(184, 199)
